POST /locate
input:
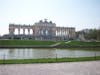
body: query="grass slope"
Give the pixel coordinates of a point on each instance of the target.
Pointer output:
(80, 43)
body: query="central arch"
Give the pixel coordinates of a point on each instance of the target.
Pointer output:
(44, 32)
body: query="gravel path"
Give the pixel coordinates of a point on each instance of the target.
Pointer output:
(70, 68)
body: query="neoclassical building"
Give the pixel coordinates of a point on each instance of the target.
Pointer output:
(42, 30)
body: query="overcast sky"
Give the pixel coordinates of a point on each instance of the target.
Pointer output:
(80, 14)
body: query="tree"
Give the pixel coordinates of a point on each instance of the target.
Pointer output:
(93, 34)
(98, 34)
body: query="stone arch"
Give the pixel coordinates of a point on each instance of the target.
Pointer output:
(26, 31)
(31, 31)
(16, 31)
(44, 31)
(21, 31)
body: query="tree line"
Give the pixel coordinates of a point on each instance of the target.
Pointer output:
(91, 34)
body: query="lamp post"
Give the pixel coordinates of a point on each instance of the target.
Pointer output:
(95, 55)
(4, 59)
(56, 55)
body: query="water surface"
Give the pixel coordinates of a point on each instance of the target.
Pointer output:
(45, 53)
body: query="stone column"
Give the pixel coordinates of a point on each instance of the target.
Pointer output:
(9, 31)
(24, 31)
(12, 30)
(73, 33)
(28, 31)
(18, 31)
(68, 33)
(61, 31)
(33, 31)
(64, 32)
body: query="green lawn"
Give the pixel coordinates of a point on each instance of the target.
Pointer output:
(26, 42)
(46, 43)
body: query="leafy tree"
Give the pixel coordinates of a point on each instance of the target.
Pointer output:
(98, 34)
(93, 34)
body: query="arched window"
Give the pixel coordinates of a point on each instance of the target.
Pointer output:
(16, 31)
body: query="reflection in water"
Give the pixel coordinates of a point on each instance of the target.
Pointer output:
(45, 53)
(11, 53)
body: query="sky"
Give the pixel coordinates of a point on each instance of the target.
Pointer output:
(81, 14)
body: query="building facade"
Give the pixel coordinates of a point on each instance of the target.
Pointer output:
(42, 30)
